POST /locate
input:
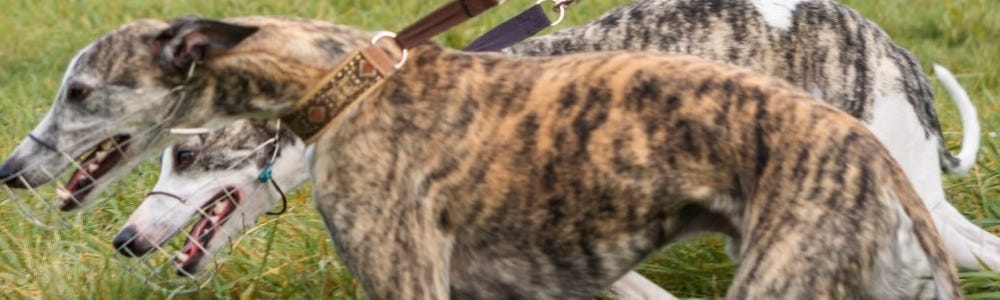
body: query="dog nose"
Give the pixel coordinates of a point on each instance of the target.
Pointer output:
(127, 243)
(9, 173)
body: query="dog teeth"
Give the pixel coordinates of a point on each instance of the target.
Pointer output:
(107, 145)
(214, 219)
(101, 155)
(220, 208)
(183, 257)
(91, 168)
(63, 193)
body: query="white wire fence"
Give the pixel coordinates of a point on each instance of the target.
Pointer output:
(192, 232)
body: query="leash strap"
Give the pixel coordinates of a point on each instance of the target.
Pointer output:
(440, 20)
(522, 26)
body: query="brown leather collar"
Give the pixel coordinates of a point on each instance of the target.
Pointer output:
(349, 81)
(365, 69)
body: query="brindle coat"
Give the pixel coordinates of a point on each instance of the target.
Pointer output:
(568, 171)
(825, 47)
(829, 50)
(552, 177)
(570, 176)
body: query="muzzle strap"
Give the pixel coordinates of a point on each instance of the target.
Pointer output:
(44, 144)
(169, 195)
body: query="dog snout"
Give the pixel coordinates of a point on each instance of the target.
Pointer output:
(10, 173)
(128, 243)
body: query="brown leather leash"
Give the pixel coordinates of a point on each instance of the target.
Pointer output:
(365, 69)
(440, 20)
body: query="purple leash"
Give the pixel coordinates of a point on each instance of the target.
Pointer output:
(522, 26)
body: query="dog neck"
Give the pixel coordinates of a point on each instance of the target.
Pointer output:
(361, 72)
(268, 74)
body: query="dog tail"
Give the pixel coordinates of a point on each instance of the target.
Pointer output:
(970, 246)
(961, 163)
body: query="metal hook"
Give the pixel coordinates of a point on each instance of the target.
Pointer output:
(561, 6)
(562, 11)
(265, 175)
(284, 201)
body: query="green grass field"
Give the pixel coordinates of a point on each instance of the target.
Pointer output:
(291, 257)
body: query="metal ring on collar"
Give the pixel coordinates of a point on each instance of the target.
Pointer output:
(385, 34)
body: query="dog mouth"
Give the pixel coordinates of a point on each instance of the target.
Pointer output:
(215, 213)
(98, 162)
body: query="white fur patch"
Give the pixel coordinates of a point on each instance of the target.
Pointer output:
(900, 267)
(896, 125)
(815, 91)
(777, 13)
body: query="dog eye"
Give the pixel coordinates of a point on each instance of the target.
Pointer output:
(77, 92)
(183, 158)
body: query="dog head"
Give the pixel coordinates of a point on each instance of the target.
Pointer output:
(121, 94)
(215, 178)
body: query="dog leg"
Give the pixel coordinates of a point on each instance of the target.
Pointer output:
(778, 272)
(393, 264)
(791, 257)
(391, 251)
(633, 286)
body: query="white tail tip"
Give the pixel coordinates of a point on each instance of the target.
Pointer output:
(970, 122)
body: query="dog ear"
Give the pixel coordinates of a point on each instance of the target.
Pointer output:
(189, 40)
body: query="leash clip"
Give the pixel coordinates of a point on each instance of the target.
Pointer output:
(560, 6)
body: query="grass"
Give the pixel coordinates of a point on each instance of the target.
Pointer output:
(290, 256)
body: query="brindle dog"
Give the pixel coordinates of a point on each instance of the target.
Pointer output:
(819, 45)
(780, 26)
(832, 52)
(549, 177)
